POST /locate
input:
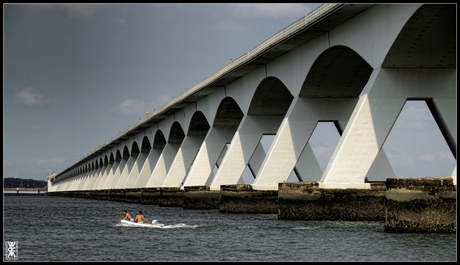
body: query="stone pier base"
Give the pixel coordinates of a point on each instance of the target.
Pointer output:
(102, 194)
(243, 199)
(201, 198)
(171, 196)
(421, 205)
(133, 195)
(306, 201)
(150, 195)
(117, 195)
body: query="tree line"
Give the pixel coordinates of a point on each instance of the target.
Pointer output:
(23, 183)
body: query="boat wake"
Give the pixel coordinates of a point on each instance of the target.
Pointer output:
(154, 224)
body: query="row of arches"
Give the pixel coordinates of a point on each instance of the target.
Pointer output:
(338, 72)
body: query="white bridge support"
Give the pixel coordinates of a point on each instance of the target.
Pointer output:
(210, 151)
(163, 165)
(355, 65)
(294, 133)
(242, 147)
(376, 113)
(183, 160)
(147, 169)
(135, 171)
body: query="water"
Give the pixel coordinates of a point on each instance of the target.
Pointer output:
(75, 229)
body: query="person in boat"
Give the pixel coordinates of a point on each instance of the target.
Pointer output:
(139, 218)
(127, 216)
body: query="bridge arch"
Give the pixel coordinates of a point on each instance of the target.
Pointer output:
(176, 134)
(159, 141)
(228, 114)
(146, 146)
(268, 107)
(134, 149)
(198, 124)
(426, 40)
(338, 72)
(118, 156)
(111, 158)
(271, 98)
(125, 153)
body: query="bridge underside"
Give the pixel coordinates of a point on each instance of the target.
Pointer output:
(356, 72)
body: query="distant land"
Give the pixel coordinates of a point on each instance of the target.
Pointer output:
(23, 183)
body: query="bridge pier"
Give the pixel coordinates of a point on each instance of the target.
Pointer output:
(117, 195)
(243, 198)
(134, 195)
(307, 201)
(201, 198)
(171, 196)
(421, 205)
(150, 195)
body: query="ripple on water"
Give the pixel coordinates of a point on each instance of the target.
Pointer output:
(72, 229)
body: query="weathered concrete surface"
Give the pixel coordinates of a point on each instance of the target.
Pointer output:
(201, 197)
(134, 195)
(306, 201)
(150, 196)
(421, 205)
(100, 194)
(243, 199)
(171, 197)
(117, 195)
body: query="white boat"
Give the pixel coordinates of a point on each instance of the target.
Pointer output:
(153, 224)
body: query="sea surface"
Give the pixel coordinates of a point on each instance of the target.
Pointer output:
(49, 228)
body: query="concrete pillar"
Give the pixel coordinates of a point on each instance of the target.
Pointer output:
(243, 146)
(90, 183)
(109, 178)
(184, 158)
(120, 184)
(381, 168)
(163, 165)
(147, 168)
(208, 155)
(117, 173)
(376, 113)
(72, 183)
(89, 179)
(257, 158)
(105, 175)
(86, 179)
(307, 167)
(294, 133)
(79, 181)
(454, 176)
(98, 177)
(135, 170)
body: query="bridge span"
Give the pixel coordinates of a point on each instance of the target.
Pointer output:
(355, 65)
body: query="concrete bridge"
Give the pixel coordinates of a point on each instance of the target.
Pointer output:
(355, 65)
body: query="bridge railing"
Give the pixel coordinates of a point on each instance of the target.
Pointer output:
(273, 40)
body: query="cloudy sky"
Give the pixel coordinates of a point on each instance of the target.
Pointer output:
(77, 75)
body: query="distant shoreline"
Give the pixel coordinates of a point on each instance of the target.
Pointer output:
(25, 189)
